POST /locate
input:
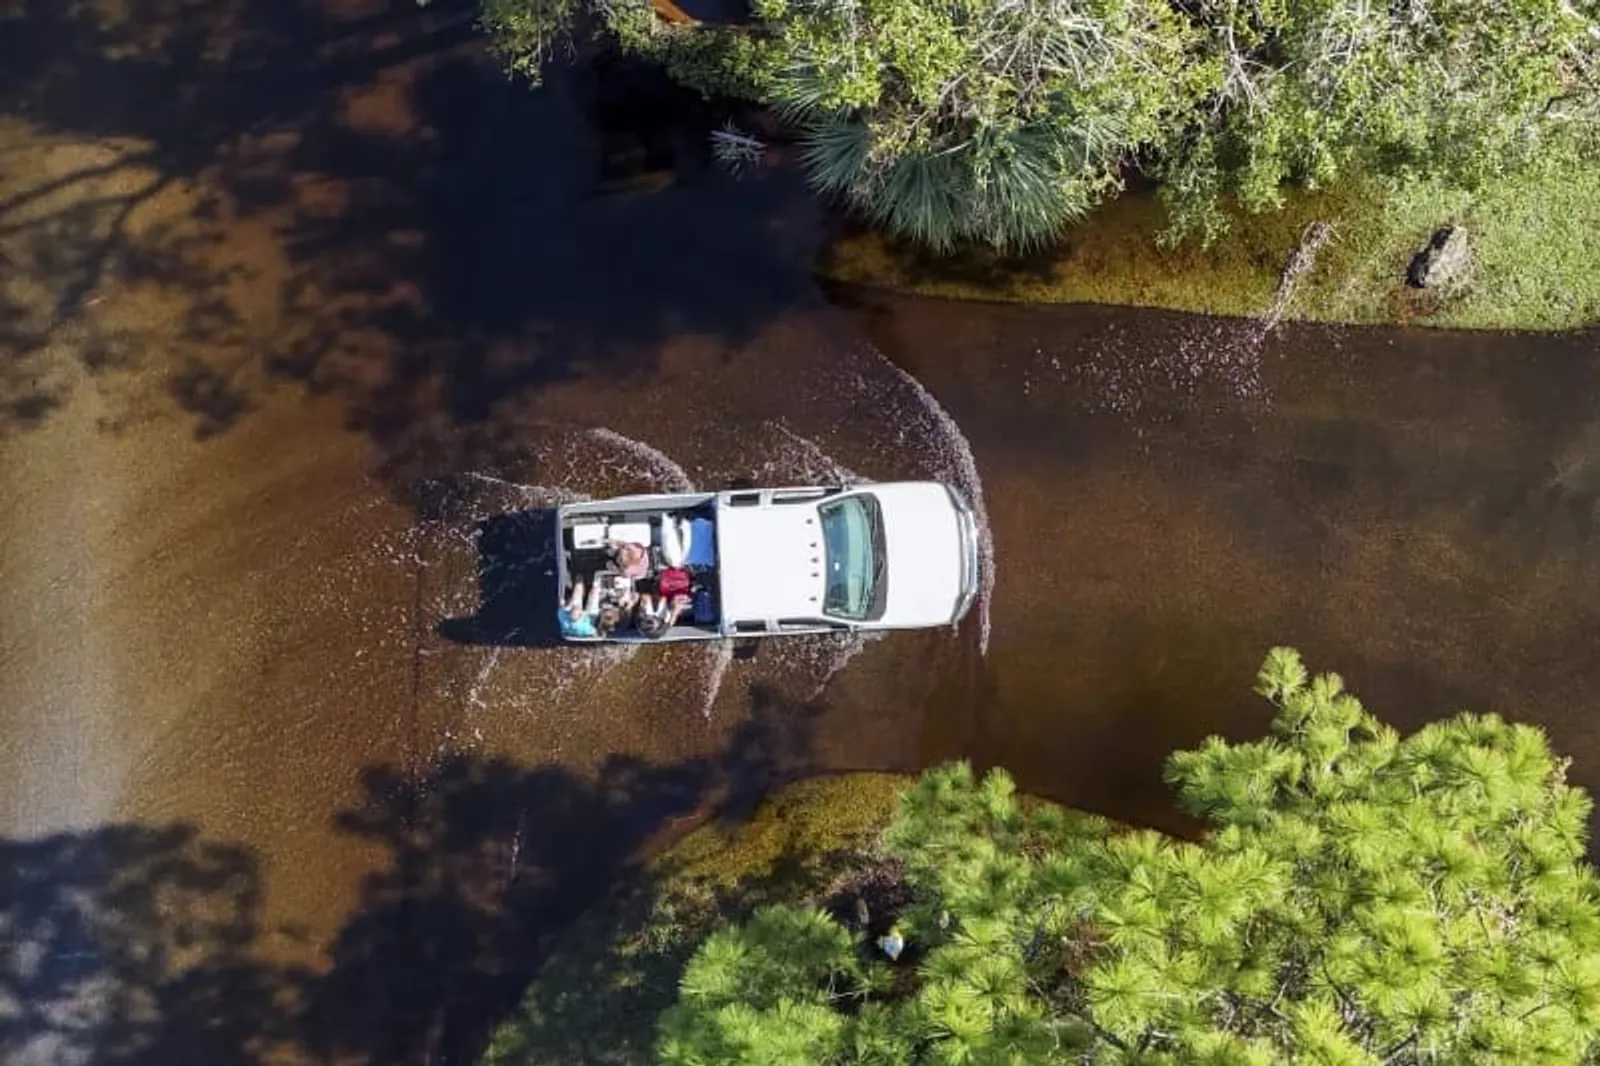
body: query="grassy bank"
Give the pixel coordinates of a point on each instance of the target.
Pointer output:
(1535, 269)
(596, 997)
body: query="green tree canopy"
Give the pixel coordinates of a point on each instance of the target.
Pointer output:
(1308, 90)
(1358, 898)
(1001, 121)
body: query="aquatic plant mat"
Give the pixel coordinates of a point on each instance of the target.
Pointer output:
(596, 998)
(1530, 239)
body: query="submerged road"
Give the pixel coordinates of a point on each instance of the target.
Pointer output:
(282, 352)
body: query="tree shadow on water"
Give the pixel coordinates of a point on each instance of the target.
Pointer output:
(136, 945)
(490, 863)
(529, 272)
(128, 103)
(366, 208)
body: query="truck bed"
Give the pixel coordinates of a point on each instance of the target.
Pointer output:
(587, 530)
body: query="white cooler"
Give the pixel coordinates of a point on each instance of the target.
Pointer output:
(595, 534)
(629, 533)
(589, 535)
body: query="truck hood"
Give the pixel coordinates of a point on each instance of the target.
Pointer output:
(925, 549)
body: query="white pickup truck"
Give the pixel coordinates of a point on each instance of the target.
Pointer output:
(767, 562)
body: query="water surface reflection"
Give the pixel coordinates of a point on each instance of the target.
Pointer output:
(301, 299)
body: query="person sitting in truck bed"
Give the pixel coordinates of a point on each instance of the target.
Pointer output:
(579, 613)
(616, 589)
(632, 560)
(676, 540)
(653, 617)
(587, 615)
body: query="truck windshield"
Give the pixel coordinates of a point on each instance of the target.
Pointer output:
(852, 536)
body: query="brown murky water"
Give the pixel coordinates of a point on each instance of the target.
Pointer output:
(1170, 496)
(300, 303)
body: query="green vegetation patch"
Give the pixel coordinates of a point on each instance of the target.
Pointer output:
(1359, 898)
(792, 833)
(1534, 267)
(1001, 123)
(596, 999)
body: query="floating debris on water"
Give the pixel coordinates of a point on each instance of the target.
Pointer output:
(1220, 360)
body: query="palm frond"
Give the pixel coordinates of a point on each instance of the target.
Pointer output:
(920, 197)
(836, 153)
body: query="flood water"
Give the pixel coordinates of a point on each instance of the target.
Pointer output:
(303, 306)
(1170, 496)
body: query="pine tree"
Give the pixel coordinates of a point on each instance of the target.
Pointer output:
(1359, 898)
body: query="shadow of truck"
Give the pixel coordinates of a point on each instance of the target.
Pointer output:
(517, 592)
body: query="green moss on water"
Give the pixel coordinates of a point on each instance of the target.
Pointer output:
(596, 997)
(1530, 235)
(803, 824)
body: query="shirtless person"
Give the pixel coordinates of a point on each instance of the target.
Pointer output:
(633, 560)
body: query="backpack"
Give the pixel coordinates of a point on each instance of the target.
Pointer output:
(673, 581)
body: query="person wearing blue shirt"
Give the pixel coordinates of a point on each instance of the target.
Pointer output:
(578, 615)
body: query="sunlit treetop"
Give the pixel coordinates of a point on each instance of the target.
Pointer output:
(1359, 898)
(1003, 121)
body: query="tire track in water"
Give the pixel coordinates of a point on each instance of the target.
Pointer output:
(810, 462)
(841, 651)
(440, 548)
(568, 665)
(882, 393)
(664, 474)
(718, 660)
(796, 458)
(801, 459)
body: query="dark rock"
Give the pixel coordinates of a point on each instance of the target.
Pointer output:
(1445, 263)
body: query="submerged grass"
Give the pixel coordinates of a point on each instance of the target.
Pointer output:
(1530, 236)
(607, 977)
